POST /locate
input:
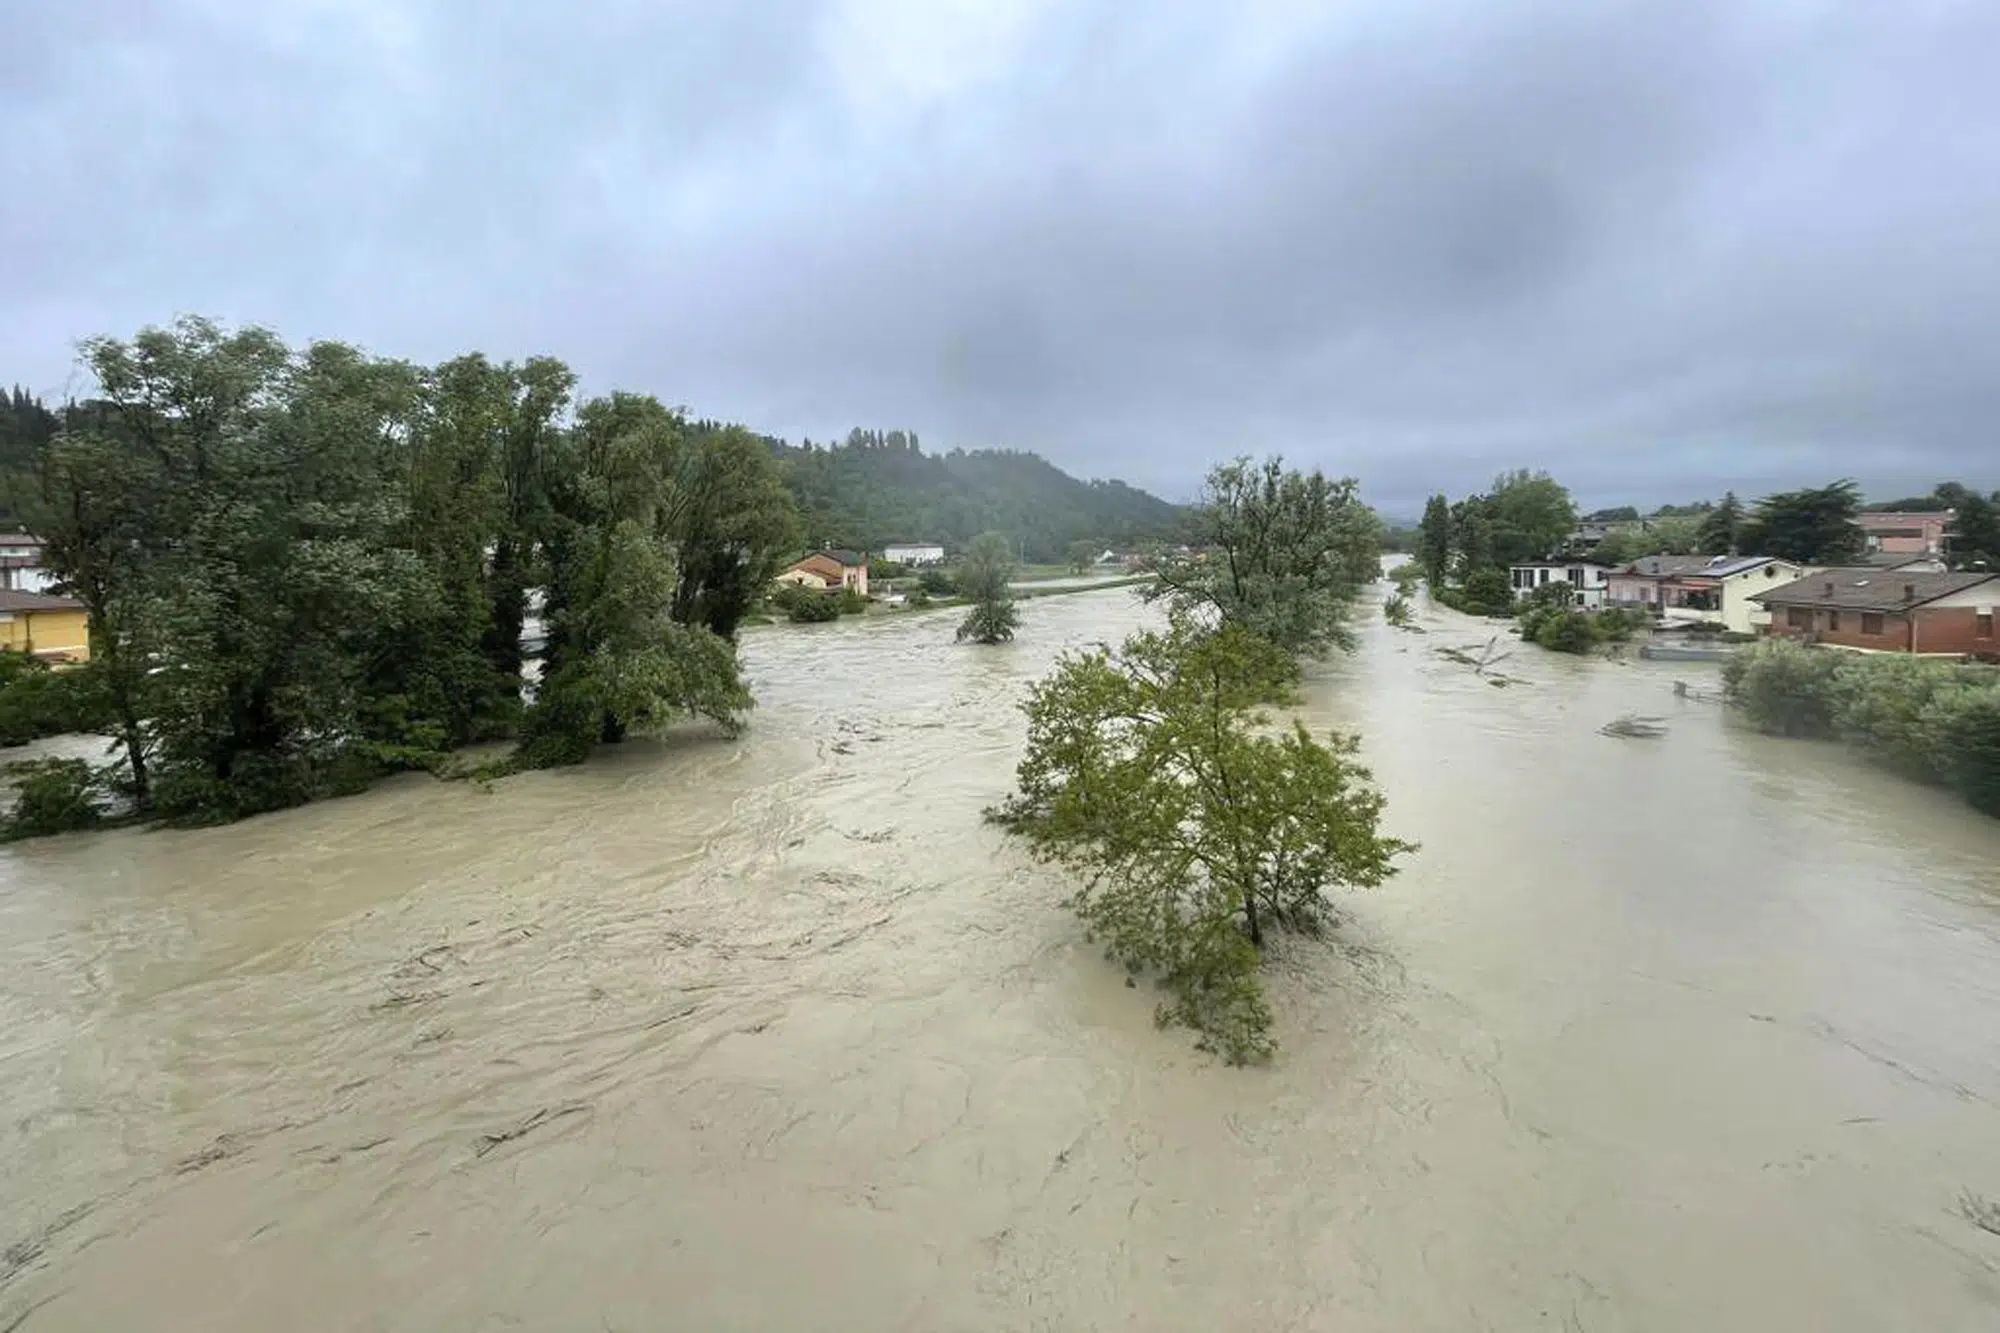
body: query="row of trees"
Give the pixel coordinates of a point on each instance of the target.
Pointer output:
(305, 567)
(1155, 774)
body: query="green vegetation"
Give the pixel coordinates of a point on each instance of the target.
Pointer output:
(1485, 592)
(1929, 720)
(880, 487)
(305, 568)
(1150, 774)
(1550, 621)
(1285, 554)
(1396, 610)
(50, 796)
(983, 577)
(805, 606)
(37, 700)
(1814, 527)
(1153, 772)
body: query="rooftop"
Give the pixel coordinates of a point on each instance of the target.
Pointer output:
(1869, 589)
(36, 601)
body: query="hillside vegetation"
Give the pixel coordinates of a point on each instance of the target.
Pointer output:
(880, 487)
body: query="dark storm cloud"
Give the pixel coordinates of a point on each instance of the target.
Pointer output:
(1656, 248)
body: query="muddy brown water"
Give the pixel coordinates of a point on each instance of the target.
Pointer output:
(1692, 1033)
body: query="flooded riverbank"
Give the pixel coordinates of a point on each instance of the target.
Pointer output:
(1693, 1032)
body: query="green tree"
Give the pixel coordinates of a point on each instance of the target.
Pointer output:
(1532, 516)
(617, 660)
(1975, 532)
(1434, 540)
(730, 522)
(983, 576)
(1286, 553)
(1815, 527)
(1193, 827)
(1080, 555)
(1721, 528)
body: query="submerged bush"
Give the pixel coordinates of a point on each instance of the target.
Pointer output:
(51, 796)
(805, 606)
(1935, 721)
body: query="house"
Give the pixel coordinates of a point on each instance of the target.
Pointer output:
(21, 566)
(1905, 533)
(1586, 579)
(55, 629)
(1894, 611)
(1711, 589)
(902, 553)
(829, 570)
(1656, 582)
(1922, 564)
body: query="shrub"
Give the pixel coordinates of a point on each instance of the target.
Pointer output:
(51, 796)
(1783, 687)
(805, 606)
(848, 602)
(938, 583)
(1965, 725)
(37, 700)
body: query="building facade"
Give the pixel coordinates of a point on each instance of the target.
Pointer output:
(913, 553)
(1930, 615)
(55, 629)
(1586, 580)
(1906, 534)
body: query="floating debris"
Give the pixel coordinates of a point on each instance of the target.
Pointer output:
(1635, 727)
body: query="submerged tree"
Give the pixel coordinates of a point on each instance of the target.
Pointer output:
(1150, 772)
(1434, 540)
(1286, 555)
(617, 659)
(983, 577)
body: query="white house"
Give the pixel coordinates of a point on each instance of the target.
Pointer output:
(913, 554)
(21, 567)
(1587, 579)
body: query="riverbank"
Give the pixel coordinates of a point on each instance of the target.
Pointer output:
(1666, 1034)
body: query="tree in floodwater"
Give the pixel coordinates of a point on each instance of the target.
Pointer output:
(1284, 555)
(1150, 773)
(983, 576)
(617, 659)
(1434, 540)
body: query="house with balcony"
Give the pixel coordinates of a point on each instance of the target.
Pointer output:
(1713, 589)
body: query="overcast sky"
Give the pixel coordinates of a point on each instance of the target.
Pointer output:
(1656, 248)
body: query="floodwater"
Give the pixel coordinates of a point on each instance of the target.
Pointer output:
(1688, 1033)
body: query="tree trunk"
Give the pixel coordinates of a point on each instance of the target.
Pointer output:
(612, 731)
(1250, 916)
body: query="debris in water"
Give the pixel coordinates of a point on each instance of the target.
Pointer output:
(486, 1143)
(1633, 726)
(1980, 1211)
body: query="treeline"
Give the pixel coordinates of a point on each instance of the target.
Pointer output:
(307, 567)
(881, 487)
(1194, 827)
(1929, 720)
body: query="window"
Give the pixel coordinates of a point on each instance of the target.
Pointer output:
(1798, 617)
(1575, 573)
(1545, 575)
(1871, 622)
(1833, 620)
(1982, 625)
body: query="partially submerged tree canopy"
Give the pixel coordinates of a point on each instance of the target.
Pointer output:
(1151, 773)
(983, 577)
(1287, 553)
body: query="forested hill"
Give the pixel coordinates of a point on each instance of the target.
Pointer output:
(880, 487)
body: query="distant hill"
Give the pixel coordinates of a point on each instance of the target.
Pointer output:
(880, 487)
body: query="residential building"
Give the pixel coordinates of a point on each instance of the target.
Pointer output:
(829, 569)
(21, 567)
(913, 553)
(1906, 534)
(1712, 589)
(1586, 579)
(55, 629)
(1897, 611)
(1657, 582)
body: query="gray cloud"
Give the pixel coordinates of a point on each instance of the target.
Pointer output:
(1658, 248)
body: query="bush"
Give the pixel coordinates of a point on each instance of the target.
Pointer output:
(1485, 592)
(805, 606)
(1930, 720)
(37, 700)
(51, 796)
(848, 602)
(917, 597)
(938, 583)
